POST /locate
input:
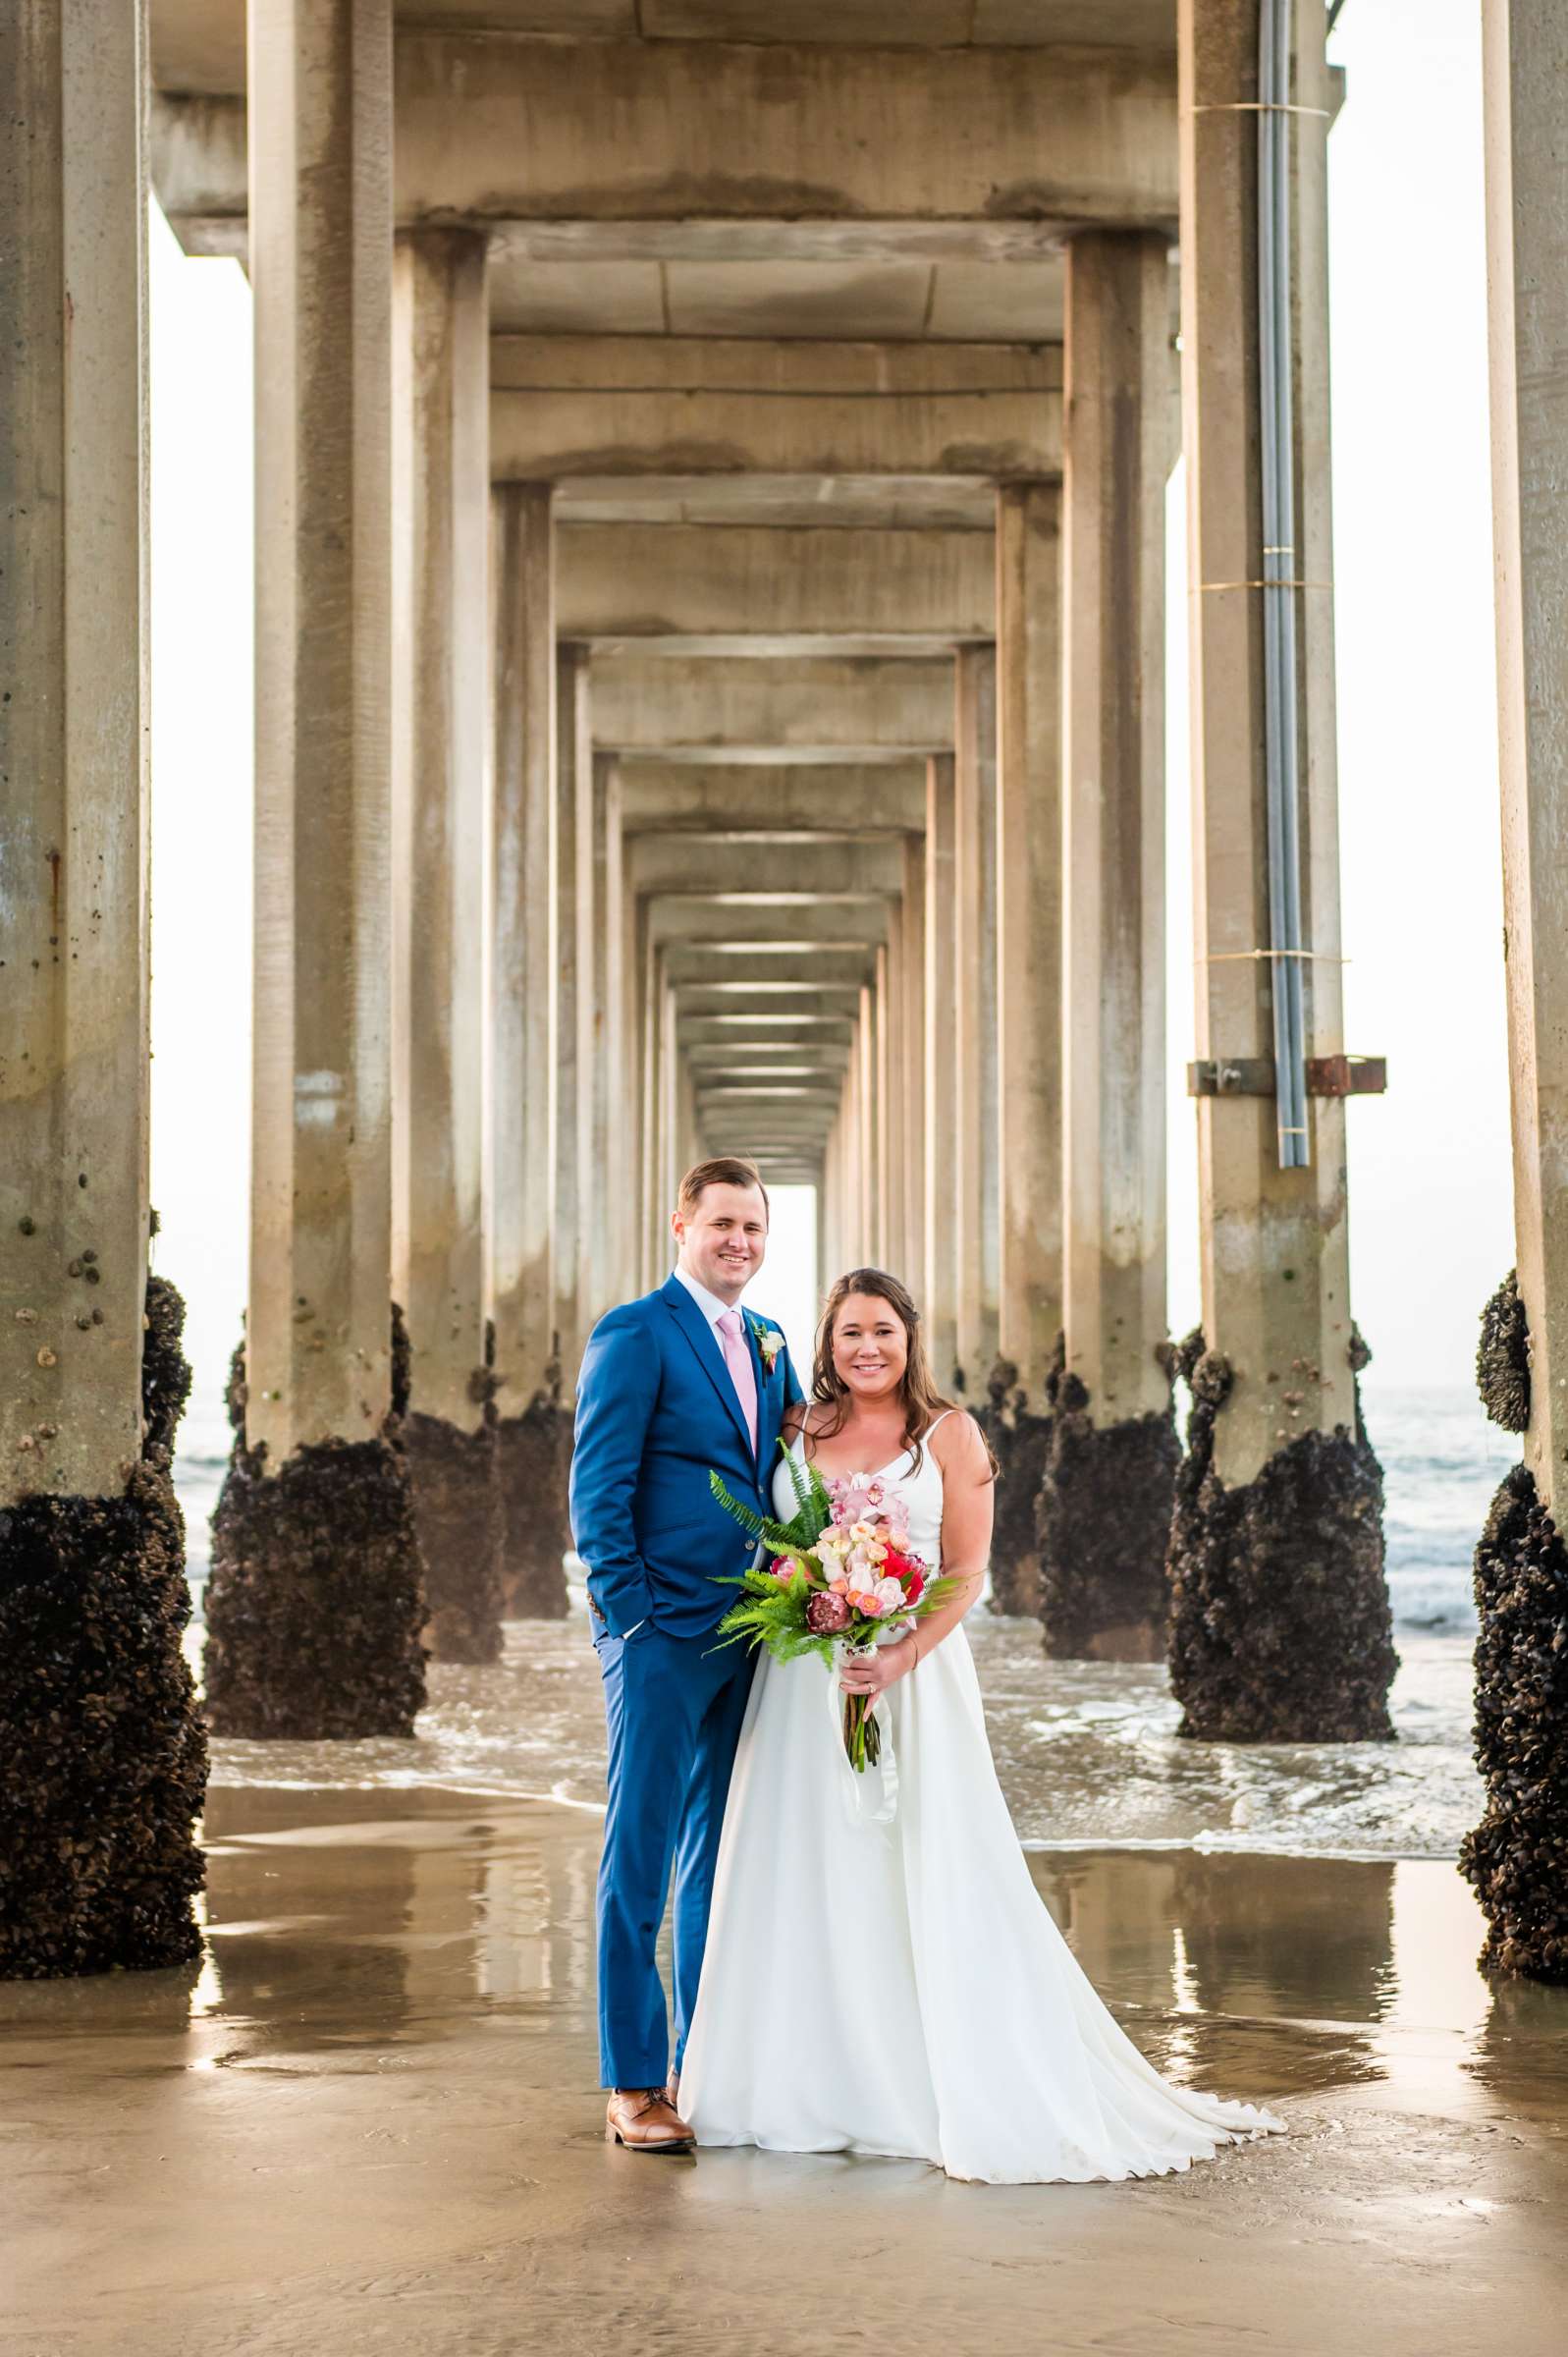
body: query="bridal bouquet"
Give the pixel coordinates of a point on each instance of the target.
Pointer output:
(841, 1577)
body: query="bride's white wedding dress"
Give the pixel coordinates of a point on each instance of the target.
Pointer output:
(901, 1988)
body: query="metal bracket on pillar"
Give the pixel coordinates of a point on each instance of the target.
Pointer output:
(1254, 1076)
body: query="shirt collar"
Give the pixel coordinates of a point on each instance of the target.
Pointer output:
(712, 1308)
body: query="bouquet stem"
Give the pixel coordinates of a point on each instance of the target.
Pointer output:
(862, 1736)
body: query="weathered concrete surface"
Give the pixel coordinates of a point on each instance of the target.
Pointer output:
(1517, 1857)
(1019, 1435)
(73, 1041)
(1113, 1014)
(912, 928)
(766, 921)
(499, 131)
(316, 1599)
(1526, 62)
(317, 1327)
(102, 1753)
(608, 406)
(200, 44)
(758, 968)
(1280, 1630)
(440, 729)
(1106, 1500)
(524, 688)
(826, 799)
(977, 1204)
(438, 2014)
(441, 723)
(570, 1073)
(940, 1094)
(762, 861)
(1103, 1524)
(461, 1523)
(740, 587)
(1274, 1243)
(1029, 928)
(778, 713)
(535, 1451)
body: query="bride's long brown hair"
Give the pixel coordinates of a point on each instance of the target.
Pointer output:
(919, 1397)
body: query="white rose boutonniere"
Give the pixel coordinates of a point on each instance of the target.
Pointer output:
(769, 1341)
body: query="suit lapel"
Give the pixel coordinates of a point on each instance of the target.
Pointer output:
(709, 1357)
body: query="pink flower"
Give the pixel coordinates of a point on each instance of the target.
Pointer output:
(826, 1615)
(782, 1569)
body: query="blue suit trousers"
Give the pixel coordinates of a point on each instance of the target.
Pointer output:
(674, 1707)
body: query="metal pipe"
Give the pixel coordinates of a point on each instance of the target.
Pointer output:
(1281, 717)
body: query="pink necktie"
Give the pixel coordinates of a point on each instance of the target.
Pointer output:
(737, 1359)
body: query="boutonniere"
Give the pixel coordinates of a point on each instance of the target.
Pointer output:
(769, 1341)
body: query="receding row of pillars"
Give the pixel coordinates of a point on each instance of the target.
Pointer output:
(471, 1093)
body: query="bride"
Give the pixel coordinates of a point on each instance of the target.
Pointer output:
(897, 1987)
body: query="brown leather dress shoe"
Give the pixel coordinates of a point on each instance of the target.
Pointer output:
(645, 2120)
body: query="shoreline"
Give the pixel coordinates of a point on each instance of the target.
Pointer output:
(1199, 1845)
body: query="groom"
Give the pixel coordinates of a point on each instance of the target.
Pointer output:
(674, 1385)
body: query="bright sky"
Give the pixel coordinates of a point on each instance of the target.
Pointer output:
(1430, 1182)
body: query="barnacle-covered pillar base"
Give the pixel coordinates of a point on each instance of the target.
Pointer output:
(1281, 1628)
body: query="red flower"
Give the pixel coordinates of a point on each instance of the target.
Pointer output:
(916, 1587)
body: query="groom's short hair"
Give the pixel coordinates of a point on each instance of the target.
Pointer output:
(724, 1170)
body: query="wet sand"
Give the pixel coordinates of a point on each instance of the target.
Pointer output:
(371, 2123)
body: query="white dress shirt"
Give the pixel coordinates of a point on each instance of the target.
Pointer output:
(712, 1308)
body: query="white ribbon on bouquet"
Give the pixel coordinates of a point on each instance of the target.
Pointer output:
(870, 1793)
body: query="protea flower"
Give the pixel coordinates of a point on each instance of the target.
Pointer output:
(826, 1614)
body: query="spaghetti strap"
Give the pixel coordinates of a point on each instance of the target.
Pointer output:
(936, 1420)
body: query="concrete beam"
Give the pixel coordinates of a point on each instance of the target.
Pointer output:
(791, 712)
(200, 44)
(748, 1035)
(693, 134)
(604, 405)
(663, 799)
(764, 868)
(782, 972)
(764, 1060)
(927, 503)
(731, 1011)
(757, 924)
(750, 591)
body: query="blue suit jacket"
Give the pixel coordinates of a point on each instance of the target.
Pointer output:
(656, 1413)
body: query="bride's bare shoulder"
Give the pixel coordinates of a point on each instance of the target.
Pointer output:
(960, 1445)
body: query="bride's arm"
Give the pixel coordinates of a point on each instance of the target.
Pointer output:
(968, 1504)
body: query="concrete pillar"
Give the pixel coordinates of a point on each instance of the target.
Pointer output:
(1280, 1627)
(977, 1197)
(657, 1251)
(870, 1116)
(101, 1757)
(570, 1098)
(912, 927)
(533, 1434)
(1028, 1023)
(441, 683)
(889, 1089)
(1515, 1857)
(598, 1045)
(315, 1607)
(1107, 1498)
(940, 1247)
(854, 1230)
(624, 1116)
